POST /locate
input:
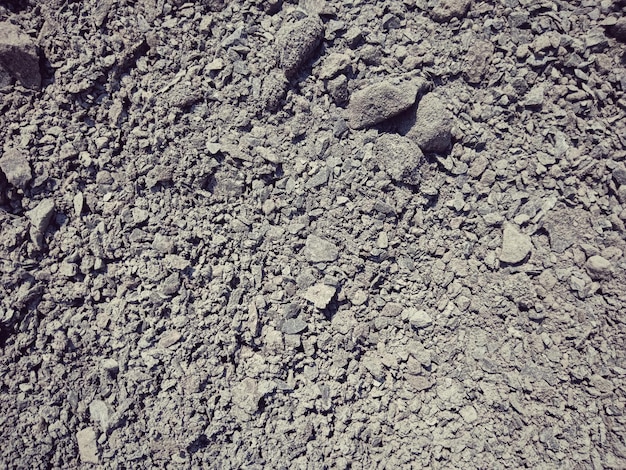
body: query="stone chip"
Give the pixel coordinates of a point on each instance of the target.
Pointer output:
(377, 103)
(318, 250)
(320, 295)
(515, 245)
(432, 130)
(87, 446)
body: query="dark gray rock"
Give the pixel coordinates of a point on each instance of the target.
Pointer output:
(19, 59)
(399, 157)
(296, 43)
(433, 125)
(377, 103)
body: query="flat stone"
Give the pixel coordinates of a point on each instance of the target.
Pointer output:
(40, 218)
(515, 245)
(110, 365)
(293, 326)
(377, 103)
(432, 130)
(598, 267)
(16, 168)
(399, 157)
(318, 250)
(445, 10)
(19, 59)
(87, 445)
(169, 338)
(99, 413)
(320, 295)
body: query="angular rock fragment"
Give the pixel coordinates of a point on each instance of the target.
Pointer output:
(16, 168)
(515, 245)
(445, 10)
(293, 326)
(318, 250)
(40, 218)
(433, 125)
(296, 43)
(400, 157)
(87, 446)
(477, 61)
(320, 295)
(535, 97)
(19, 59)
(618, 30)
(99, 413)
(417, 318)
(598, 267)
(377, 103)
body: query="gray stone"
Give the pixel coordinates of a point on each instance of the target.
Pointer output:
(417, 318)
(515, 245)
(400, 157)
(469, 414)
(445, 10)
(99, 413)
(16, 168)
(619, 174)
(87, 445)
(320, 295)
(477, 61)
(598, 267)
(19, 59)
(40, 218)
(169, 338)
(377, 103)
(110, 365)
(535, 96)
(433, 125)
(333, 65)
(318, 250)
(296, 43)
(293, 326)
(618, 30)
(171, 284)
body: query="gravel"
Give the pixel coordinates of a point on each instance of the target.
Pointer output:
(302, 234)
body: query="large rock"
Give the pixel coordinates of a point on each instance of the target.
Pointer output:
(515, 245)
(399, 157)
(318, 250)
(296, 43)
(433, 125)
(377, 103)
(16, 168)
(445, 10)
(19, 60)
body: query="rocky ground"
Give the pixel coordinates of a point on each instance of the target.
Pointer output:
(347, 234)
